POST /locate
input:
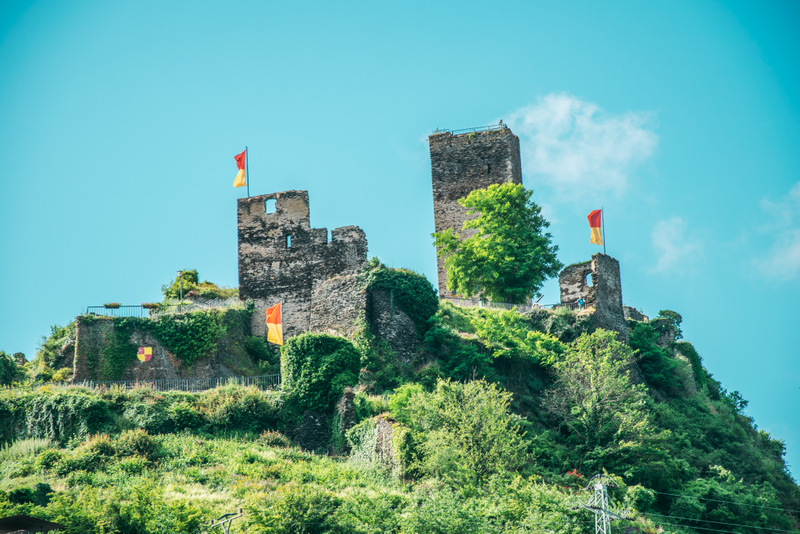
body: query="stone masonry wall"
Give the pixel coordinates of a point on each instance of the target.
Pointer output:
(339, 305)
(465, 162)
(281, 257)
(604, 294)
(95, 334)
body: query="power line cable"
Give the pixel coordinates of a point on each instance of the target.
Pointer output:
(718, 522)
(730, 502)
(699, 528)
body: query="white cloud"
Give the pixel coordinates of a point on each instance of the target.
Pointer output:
(676, 249)
(783, 259)
(579, 149)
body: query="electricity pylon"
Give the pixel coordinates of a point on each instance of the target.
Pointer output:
(226, 520)
(598, 504)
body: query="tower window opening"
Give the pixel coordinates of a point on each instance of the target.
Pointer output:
(270, 205)
(289, 241)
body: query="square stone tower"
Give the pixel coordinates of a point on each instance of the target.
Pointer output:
(463, 162)
(281, 257)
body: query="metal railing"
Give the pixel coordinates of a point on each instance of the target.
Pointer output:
(168, 384)
(141, 311)
(476, 129)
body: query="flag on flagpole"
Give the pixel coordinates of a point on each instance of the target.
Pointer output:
(241, 176)
(594, 224)
(275, 325)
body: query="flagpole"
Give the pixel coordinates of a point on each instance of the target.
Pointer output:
(247, 168)
(603, 221)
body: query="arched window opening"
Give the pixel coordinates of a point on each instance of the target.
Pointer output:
(270, 205)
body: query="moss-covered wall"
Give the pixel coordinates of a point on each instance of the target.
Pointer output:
(203, 344)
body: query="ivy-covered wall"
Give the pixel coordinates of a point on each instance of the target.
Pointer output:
(203, 344)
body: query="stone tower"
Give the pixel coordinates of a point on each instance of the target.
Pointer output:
(461, 163)
(281, 257)
(598, 283)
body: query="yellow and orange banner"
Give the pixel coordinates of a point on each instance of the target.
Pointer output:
(241, 176)
(275, 325)
(594, 224)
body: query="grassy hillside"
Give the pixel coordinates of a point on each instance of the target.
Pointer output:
(496, 425)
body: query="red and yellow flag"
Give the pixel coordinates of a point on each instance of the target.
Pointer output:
(594, 223)
(240, 180)
(275, 325)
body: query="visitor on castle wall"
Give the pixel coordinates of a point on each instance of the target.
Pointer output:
(581, 302)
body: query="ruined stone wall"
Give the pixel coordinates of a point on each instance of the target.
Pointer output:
(465, 162)
(339, 305)
(603, 293)
(281, 257)
(94, 335)
(342, 304)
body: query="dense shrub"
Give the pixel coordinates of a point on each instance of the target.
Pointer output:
(411, 291)
(315, 369)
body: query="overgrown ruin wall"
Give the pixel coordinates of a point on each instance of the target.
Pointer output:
(281, 257)
(343, 304)
(603, 293)
(97, 344)
(465, 162)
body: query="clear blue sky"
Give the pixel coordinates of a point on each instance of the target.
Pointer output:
(119, 122)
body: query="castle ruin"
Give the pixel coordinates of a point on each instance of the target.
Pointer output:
(281, 257)
(462, 163)
(598, 283)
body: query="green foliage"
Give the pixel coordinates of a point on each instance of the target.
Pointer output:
(659, 367)
(315, 369)
(23, 447)
(51, 353)
(257, 348)
(511, 336)
(9, 372)
(409, 290)
(673, 322)
(189, 336)
(510, 256)
(118, 352)
(699, 373)
(463, 433)
(601, 412)
(190, 287)
(298, 509)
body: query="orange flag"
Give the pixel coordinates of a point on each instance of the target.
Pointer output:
(240, 180)
(275, 325)
(594, 223)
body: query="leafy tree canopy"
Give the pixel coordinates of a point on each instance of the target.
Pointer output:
(505, 255)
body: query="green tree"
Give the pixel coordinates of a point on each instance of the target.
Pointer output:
(505, 254)
(464, 433)
(604, 415)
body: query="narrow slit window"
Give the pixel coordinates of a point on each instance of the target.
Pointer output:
(270, 205)
(289, 241)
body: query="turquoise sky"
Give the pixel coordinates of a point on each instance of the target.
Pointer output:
(119, 122)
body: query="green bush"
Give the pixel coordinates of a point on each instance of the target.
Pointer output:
(257, 348)
(315, 369)
(411, 291)
(138, 443)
